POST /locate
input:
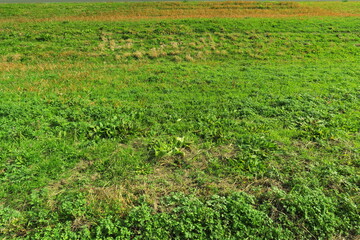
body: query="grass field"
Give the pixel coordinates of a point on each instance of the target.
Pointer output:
(191, 120)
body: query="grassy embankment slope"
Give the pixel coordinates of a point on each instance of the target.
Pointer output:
(118, 121)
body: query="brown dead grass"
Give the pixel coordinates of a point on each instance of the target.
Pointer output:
(181, 10)
(207, 12)
(10, 66)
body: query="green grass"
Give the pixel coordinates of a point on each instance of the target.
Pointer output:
(180, 129)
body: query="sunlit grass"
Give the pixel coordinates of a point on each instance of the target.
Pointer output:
(228, 126)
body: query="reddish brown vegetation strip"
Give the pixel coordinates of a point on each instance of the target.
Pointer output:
(175, 10)
(179, 10)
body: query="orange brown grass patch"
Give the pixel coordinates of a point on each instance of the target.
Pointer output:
(210, 10)
(181, 10)
(9, 66)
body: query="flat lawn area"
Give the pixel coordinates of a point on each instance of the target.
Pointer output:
(192, 120)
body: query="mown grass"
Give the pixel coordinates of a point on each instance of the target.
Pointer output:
(178, 129)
